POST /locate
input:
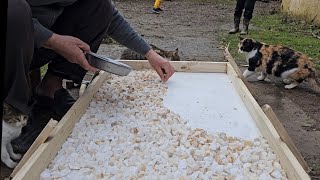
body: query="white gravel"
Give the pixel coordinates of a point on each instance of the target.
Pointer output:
(127, 133)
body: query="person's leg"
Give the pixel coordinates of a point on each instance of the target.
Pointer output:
(156, 6)
(19, 52)
(237, 16)
(35, 79)
(247, 16)
(86, 20)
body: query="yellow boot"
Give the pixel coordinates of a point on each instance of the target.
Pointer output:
(156, 7)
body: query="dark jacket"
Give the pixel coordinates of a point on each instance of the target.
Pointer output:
(45, 13)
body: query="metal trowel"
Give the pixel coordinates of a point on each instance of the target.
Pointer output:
(108, 64)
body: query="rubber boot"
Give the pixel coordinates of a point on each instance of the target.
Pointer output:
(235, 28)
(244, 31)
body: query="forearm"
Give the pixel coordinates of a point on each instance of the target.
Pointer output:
(41, 34)
(121, 31)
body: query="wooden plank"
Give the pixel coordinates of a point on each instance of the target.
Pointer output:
(43, 156)
(284, 135)
(233, 63)
(183, 66)
(43, 136)
(287, 159)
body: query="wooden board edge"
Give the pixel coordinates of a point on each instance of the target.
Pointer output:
(287, 159)
(284, 135)
(233, 63)
(43, 136)
(183, 66)
(46, 152)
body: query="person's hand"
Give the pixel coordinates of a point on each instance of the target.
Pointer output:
(71, 48)
(162, 66)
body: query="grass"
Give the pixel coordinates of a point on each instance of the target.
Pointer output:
(43, 70)
(278, 29)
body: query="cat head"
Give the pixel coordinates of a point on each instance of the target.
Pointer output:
(246, 45)
(170, 55)
(13, 116)
(174, 55)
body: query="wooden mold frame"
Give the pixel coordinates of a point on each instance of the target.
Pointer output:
(46, 152)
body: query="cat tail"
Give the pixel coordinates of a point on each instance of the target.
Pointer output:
(313, 82)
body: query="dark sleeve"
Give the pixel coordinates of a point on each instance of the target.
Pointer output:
(121, 31)
(62, 3)
(41, 34)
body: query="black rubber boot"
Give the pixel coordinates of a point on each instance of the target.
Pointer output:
(246, 23)
(41, 113)
(236, 23)
(27, 137)
(62, 103)
(43, 109)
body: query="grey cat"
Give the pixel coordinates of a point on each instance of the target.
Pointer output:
(169, 55)
(12, 123)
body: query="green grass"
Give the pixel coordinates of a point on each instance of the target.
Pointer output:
(277, 29)
(43, 70)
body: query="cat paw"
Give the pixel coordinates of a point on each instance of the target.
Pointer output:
(287, 81)
(247, 73)
(261, 78)
(16, 156)
(11, 164)
(267, 80)
(290, 86)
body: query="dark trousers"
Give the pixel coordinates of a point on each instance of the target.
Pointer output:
(247, 5)
(19, 51)
(86, 20)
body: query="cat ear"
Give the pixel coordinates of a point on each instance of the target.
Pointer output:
(6, 107)
(154, 47)
(176, 52)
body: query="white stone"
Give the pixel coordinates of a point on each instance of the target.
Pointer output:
(127, 132)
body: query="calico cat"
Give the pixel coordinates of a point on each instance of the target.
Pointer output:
(169, 55)
(12, 123)
(292, 66)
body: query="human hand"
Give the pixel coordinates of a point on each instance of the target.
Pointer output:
(162, 66)
(71, 48)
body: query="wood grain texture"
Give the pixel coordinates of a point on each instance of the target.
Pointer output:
(284, 136)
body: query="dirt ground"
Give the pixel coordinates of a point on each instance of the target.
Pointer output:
(193, 26)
